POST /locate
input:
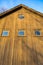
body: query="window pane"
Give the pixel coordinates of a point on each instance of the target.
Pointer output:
(21, 16)
(21, 33)
(5, 33)
(37, 32)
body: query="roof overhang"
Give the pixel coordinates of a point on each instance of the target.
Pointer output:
(17, 8)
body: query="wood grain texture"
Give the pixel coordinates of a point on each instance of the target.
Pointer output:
(25, 50)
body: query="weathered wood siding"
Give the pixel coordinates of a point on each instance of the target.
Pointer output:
(25, 50)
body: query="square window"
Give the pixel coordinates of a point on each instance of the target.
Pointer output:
(37, 32)
(5, 33)
(21, 33)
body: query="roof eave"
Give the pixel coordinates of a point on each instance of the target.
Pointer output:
(19, 6)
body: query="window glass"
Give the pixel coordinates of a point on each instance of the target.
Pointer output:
(21, 16)
(5, 33)
(37, 32)
(21, 33)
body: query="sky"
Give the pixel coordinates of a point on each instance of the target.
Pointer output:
(34, 4)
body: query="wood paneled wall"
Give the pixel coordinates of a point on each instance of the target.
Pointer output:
(25, 50)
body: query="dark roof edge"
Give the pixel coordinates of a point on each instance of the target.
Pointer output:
(19, 6)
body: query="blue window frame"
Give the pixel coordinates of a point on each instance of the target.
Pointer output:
(5, 33)
(37, 32)
(21, 33)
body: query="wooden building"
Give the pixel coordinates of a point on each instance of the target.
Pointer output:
(21, 36)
